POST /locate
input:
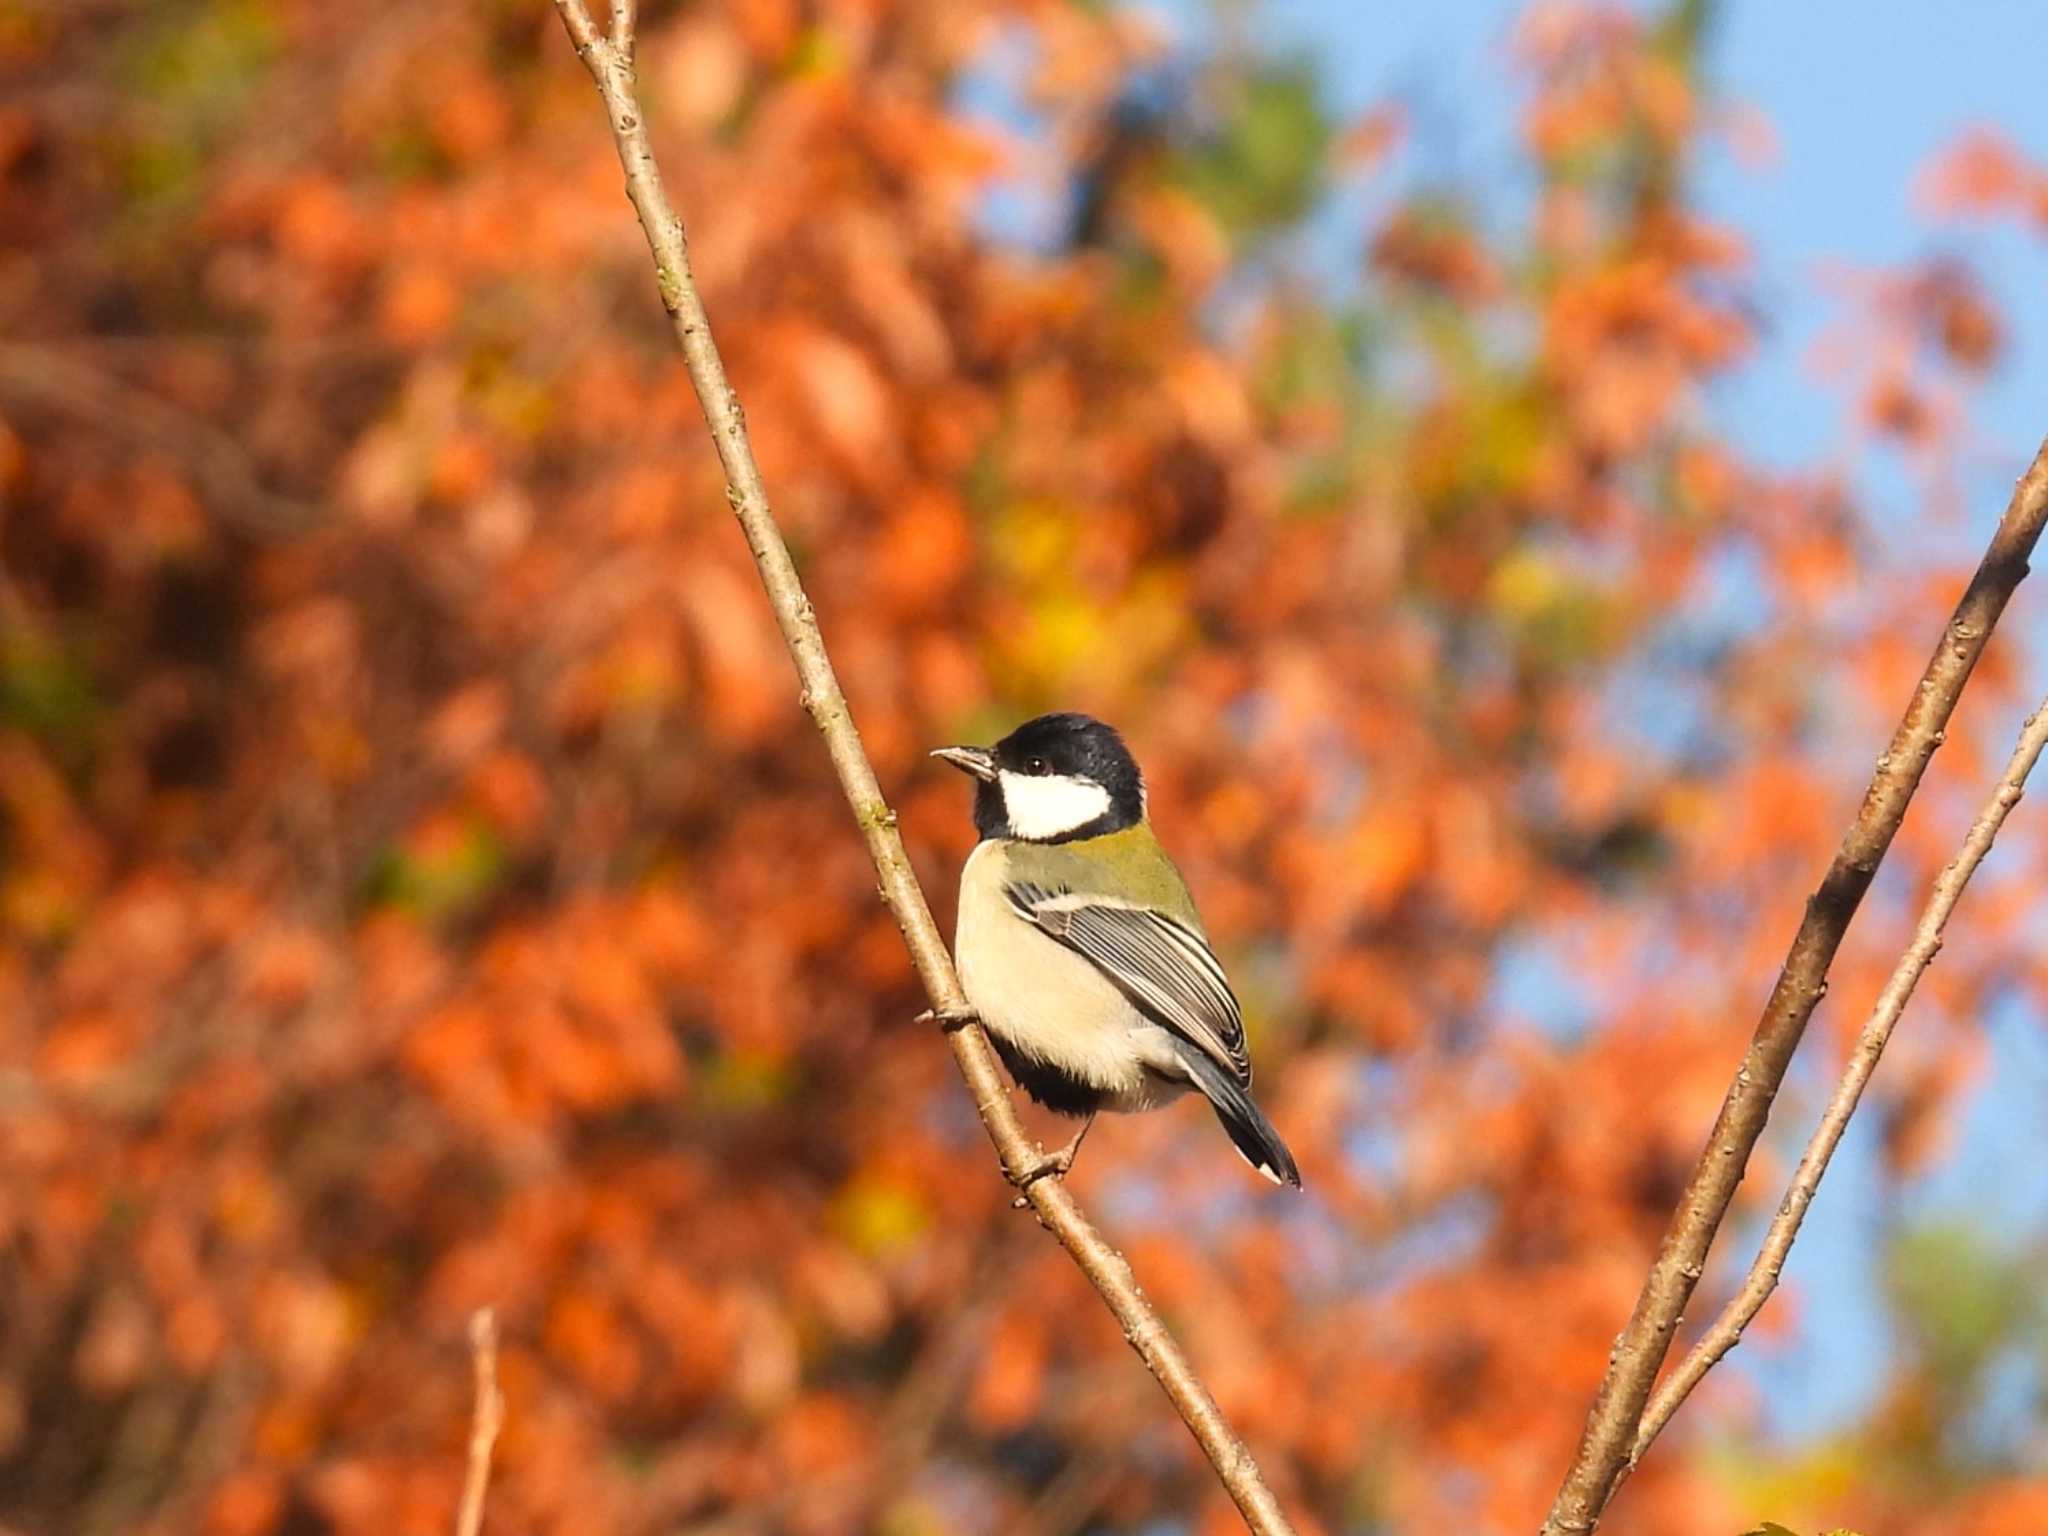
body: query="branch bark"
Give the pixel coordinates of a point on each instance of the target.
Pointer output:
(1762, 1279)
(1617, 1413)
(608, 54)
(487, 1416)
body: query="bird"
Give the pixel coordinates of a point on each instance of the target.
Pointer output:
(1079, 948)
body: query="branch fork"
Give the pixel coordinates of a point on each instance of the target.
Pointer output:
(1624, 1417)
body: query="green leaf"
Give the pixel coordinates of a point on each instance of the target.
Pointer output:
(1260, 167)
(444, 880)
(202, 62)
(45, 688)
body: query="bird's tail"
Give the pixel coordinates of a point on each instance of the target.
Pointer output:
(1249, 1130)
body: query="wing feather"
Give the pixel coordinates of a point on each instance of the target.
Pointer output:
(1161, 964)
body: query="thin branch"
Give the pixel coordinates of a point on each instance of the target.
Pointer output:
(486, 1418)
(1069, 1502)
(610, 63)
(225, 470)
(1617, 1410)
(1877, 1030)
(582, 32)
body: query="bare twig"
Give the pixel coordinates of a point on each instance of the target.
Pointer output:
(1870, 1043)
(224, 468)
(486, 1418)
(610, 61)
(1071, 1499)
(1617, 1410)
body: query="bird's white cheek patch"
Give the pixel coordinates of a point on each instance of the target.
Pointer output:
(1051, 805)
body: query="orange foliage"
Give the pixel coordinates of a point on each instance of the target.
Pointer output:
(419, 889)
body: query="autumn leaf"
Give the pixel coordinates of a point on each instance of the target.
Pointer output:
(436, 898)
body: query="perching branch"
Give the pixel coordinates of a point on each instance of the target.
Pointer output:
(609, 57)
(1617, 1413)
(486, 1418)
(1870, 1043)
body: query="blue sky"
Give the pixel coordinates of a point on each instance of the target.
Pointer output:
(1859, 97)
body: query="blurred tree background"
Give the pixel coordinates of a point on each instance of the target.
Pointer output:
(419, 889)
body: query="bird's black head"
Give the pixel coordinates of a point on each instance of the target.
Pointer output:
(1052, 780)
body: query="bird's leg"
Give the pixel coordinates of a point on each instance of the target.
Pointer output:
(1065, 1156)
(1054, 1165)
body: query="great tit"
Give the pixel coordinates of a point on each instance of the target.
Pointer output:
(1079, 947)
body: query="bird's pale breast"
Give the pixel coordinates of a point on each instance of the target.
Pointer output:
(1049, 1002)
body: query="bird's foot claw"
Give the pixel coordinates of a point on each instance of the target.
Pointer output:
(1053, 1165)
(948, 1022)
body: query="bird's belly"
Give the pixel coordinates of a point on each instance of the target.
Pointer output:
(1052, 1008)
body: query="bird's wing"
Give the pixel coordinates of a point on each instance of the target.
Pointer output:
(1161, 964)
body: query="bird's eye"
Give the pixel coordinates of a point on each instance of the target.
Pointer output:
(1037, 765)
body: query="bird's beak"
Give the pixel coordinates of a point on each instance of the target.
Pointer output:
(978, 761)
